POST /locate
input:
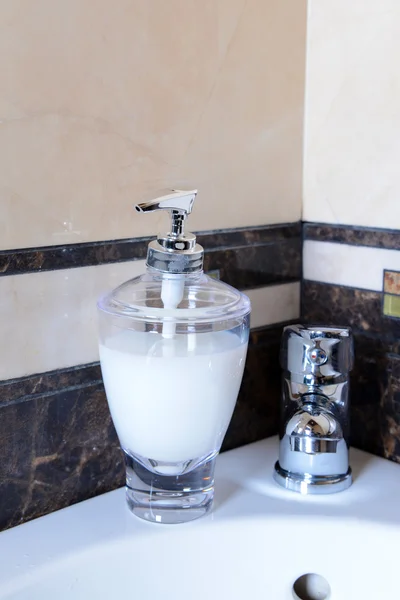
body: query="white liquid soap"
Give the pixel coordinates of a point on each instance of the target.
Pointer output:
(171, 399)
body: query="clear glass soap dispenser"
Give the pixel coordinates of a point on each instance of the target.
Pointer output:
(173, 345)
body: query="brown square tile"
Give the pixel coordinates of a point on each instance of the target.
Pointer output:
(391, 282)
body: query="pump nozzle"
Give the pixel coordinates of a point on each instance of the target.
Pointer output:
(178, 200)
(179, 203)
(175, 251)
(174, 254)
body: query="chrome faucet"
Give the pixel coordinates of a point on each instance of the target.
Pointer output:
(314, 434)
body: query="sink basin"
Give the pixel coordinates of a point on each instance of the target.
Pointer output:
(256, 543)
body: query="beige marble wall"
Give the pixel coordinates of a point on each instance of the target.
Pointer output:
(104, 102)
(352, 119)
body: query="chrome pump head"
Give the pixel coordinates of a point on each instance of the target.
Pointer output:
(176, 251)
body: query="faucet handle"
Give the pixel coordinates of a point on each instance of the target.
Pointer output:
(316, 353)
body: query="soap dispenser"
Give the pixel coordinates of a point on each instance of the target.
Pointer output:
(173, 345)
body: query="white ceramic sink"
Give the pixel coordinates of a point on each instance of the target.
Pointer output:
(258, 540)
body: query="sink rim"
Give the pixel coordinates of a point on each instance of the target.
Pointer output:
(245, 492)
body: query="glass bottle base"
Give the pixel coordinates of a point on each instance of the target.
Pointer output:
(169, 499)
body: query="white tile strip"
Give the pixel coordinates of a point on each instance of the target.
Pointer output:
(49, 319)
(353, 266)
(274, 304)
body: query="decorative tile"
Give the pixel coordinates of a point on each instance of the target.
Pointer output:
(391, 306)
(391, 297)
(391, 282)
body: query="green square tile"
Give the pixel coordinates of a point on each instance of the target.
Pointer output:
(391, 305)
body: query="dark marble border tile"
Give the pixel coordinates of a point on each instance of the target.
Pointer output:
(368, 378)
(390, 406)
(256, 414)
(13, 391)
(257, 265)
(375, 379)
(359, 309)
(395, 371)
(375, 398)
(56, 451)
(249, 236)
(48, 258)
(60, 447)
(353, 235)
